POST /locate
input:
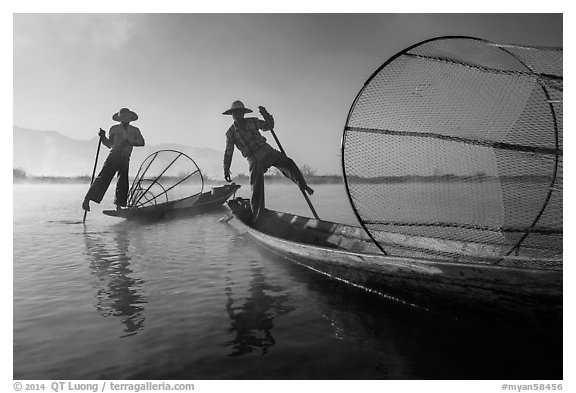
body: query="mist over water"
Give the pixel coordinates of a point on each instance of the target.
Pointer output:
(192, 298)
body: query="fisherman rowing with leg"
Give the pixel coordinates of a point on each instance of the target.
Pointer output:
(121, 138)
(244, 134)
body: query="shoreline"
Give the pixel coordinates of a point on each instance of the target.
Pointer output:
(322, 179)
(238, 180)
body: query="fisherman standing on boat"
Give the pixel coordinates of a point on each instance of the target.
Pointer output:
(245, 136)
(121, 138)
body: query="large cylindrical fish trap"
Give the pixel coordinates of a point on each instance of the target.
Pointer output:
(453, 148)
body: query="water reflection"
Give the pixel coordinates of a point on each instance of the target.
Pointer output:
(252, 318)
(118, 294)
(409, 343)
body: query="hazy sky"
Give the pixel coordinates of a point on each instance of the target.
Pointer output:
(179, 72)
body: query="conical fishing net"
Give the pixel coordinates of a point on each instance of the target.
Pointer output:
(165, 175)
(454, 148)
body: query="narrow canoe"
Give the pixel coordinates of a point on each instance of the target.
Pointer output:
(195, 204)
(507, 287)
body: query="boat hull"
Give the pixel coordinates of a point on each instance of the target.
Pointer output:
(192, 205)
(470, 288)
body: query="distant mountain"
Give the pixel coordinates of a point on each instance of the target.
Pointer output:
(48, 153)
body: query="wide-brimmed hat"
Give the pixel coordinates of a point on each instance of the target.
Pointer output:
(237, 106)
(125, 115)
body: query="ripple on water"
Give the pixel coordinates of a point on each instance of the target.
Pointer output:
(191, 298)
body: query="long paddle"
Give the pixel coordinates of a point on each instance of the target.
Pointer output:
(93, 172)
(303, 192)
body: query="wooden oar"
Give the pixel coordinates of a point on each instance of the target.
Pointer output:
(303, 192)
(93, 172)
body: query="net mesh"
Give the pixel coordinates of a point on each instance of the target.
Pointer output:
(454, 147)
(164, 176)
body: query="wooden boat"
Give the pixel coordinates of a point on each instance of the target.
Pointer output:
(157, 189)
(191, 205)
(469, 284)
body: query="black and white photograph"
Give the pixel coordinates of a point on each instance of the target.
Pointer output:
(269, 196)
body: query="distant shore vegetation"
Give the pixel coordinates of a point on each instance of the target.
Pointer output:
(275, 176)
(21, 176)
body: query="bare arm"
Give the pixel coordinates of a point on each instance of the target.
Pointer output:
(137, 139)
(228, 153)
(106, 141)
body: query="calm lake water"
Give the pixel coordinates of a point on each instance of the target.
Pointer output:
(192, 298)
